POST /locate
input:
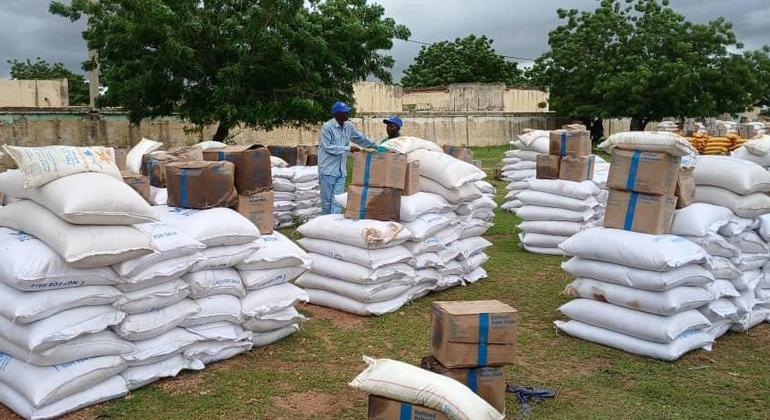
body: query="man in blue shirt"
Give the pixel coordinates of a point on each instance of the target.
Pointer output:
(333, 150)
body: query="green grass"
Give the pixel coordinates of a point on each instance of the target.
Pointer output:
(306, 375)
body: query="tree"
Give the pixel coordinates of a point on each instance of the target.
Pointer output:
(470, 59)
(641, 59)
(260, 63)
(42, 70)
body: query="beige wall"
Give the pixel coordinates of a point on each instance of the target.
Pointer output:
(471, 97)
(34, 93)
(525, 100)
(377, 97)
(76, 126)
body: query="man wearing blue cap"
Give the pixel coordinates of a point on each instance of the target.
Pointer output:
(392, 127)
(333, 150)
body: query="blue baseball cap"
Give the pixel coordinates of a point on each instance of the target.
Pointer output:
(340, 107)
(395, 120)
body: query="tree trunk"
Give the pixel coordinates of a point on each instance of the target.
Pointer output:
(597, 130)
(638, 124)
(222, 131)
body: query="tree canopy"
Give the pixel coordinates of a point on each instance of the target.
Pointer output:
(469, 59)
(42, 70)
(641, 59)
(227, 62)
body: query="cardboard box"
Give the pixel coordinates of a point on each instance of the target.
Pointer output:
(685, 188)
(645, 172)
(201, 184)
(639, 212)
(412, 178)
(459, 152)
(570, 143)
(305, 154)
(258, 208)
(252, 166)
(473, 333)
(381, 408)
(140, 183)
(380, 170)
(547, 166)
(154, 164)
(378, 203)
(577, 168)
(120, 157)
(487, 382)
(288, 154)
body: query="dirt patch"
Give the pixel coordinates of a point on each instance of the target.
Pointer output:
(187, 382)
(312, 404)
(341, 319)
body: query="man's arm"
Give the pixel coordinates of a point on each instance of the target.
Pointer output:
(360, 139)
(327, 142)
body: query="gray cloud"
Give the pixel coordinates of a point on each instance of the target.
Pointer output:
(519, 27)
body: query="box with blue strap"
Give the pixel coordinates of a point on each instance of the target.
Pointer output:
(201, 184)
(379, 170)
(253, 172)
(577, 168)
(373, 203)
(644, 172)
(381, 408)
(488, 382)
(639, 212)
(468, 334)
(570, 143)
(154, 164)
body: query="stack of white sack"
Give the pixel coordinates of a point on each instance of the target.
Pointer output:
(519, 164)
(359, 266)
(297, 195)
(554, 210)
(738, 254)
(268, 298)
(57, 291)
(737, 184)
(755, 150)
(638, 292)
(486, 188)
(436, 245)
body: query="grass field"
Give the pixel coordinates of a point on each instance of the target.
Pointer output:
(306, 375)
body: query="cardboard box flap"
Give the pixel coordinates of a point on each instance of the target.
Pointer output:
(474, 307)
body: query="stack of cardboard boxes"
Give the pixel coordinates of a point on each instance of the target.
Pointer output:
(302, 155)
(378, 182)
(253, 182)
(644, 191)
(471, 341)
(569, 157)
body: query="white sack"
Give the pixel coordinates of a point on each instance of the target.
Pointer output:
(161, 347)
(275, 251)
(538, 213)
(361, 233)
(540, 240)
(551, 227)
(670, 352)
(540, 250)
(688, 275)
(639, 250)
(220, 331)
(161, 272)
(722, 268)
(715, 245)
(104, 343)
(363, 293)
(270, 337)
(156, 322)
(81, 246)
(345, 304)
(25, 307)
(42, 165)
(158, 196)
(374, 258)
(408, 144)
(700, 219)
(213, 227)
(649, 141)
(669, 302)
(219, 257)
(354, 273)
(134, 156)
(428, 224)
(274, 320)
(215, 351)
(213, 282)
(745, 177)
(260, 279)
(577, 190)
(543, 199)
(642, 325)
(146, 299)
(404, 382)
(216, 308)
(271, 299)
(445, 169)
(167, 241)
(751, 205)
(139, 376)
(466, 192)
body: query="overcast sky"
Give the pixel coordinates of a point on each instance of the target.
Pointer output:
(519, 27)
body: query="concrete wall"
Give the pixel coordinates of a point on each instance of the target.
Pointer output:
(472, 97)
(377, 97)
(77, 126)
(34, 93)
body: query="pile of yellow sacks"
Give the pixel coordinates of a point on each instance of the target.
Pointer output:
(708, 145)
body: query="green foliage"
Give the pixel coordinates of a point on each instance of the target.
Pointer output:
(267, 63)
(42, 70)
(470, 59)
(641, 59)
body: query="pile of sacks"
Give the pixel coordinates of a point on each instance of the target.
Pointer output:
(553, 210)
(297, 193)
(371, 267)
(756, 150)
(519, 165)
(102, 293)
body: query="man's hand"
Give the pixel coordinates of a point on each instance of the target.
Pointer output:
(382, 149)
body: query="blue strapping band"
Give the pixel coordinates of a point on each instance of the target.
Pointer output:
(629, 222)
(221, 155)
(631, 181)
(365, 190)
(406, 411)
(183, 188)
(473, 380)
(149, 169)
(481, 351)
(563, 150)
